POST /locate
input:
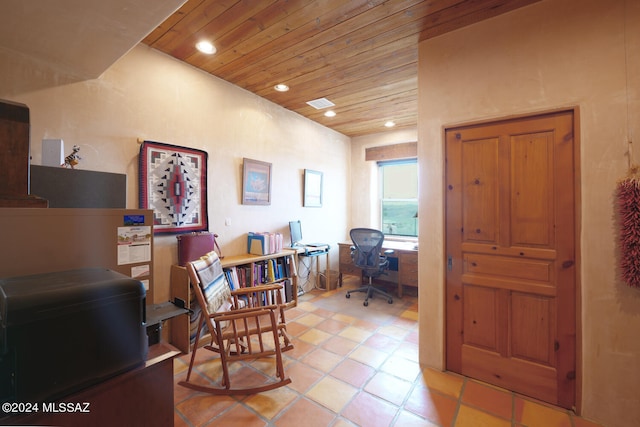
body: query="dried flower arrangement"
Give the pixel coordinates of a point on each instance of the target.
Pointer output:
(628, 198)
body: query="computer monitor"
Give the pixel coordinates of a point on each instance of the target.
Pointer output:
(295, 228)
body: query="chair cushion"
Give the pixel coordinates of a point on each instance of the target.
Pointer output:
(215, 288)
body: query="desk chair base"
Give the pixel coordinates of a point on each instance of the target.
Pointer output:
(370, 290)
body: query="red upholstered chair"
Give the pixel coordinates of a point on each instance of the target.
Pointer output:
(244, 324)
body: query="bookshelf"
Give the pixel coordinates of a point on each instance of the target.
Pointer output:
(254, 267)
(250, 270)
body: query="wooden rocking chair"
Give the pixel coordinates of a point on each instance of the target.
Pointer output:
(245, 323)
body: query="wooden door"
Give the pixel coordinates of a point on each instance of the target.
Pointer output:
(510, 246)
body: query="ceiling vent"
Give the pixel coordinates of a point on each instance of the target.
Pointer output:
(321, 103)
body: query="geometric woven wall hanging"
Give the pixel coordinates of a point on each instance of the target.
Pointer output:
(173, 182)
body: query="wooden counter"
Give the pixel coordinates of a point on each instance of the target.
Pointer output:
(140, 397)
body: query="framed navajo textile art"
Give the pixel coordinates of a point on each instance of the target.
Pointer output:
(173, 182)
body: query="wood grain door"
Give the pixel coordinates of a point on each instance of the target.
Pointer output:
(510, 245)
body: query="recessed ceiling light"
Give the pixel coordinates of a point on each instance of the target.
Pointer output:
(390, 124)
(206, 47)
(330, 113)
(281, 87)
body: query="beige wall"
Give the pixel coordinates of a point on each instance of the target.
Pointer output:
(550, 55)
(546, 56)
(149, 95)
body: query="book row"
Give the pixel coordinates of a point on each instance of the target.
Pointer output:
(256, 273)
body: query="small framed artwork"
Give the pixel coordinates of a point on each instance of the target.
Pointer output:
(256, 182)
(312, 188)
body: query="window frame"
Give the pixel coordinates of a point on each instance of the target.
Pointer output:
(381, 200)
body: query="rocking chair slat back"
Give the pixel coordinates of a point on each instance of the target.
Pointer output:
(244, 324)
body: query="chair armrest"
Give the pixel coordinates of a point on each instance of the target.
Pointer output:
(258, 296)
(388, 252)
(241, 313)
(259, 288)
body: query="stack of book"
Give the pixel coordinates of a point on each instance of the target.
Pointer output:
(267, 271)
(264, 243)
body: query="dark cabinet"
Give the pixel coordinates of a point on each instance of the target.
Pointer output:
(15, 157)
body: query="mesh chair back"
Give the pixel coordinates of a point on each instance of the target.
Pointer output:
(368, 243)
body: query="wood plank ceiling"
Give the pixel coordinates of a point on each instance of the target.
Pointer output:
(359, 54)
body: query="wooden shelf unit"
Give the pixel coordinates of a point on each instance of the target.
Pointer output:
(181, 288)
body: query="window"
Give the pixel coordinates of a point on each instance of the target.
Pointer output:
(399, 197)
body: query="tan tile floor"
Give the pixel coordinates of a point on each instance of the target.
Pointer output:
(358, 366)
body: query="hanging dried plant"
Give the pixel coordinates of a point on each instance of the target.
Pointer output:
(628, 194)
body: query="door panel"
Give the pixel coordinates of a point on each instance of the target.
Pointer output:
(532, 269)
(532, 210)
(531, 318)
(480, 317)
(480, 212)
(510, 284)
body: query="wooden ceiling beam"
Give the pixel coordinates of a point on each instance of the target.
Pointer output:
(360, 54)
(361, 94)
(356, 39)
(468, 13)
(302, 25)
(193, 16)
(356, 77)
(356, 93)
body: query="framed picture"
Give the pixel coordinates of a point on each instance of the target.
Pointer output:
(312, 188)
(173, 182)
(256, 182)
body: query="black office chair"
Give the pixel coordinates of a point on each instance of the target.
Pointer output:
(366, 255)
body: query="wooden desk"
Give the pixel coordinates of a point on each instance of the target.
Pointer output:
(317, 255)
(407, 257)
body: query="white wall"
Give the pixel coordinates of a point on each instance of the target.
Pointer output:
(152, 96)
(549, 55)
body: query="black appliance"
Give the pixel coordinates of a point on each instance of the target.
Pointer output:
(61, 332)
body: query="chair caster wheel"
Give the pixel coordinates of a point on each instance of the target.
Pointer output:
(366, 303)
(348, 296)
(390, 301)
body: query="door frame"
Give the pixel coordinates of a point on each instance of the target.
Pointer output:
(575, 110)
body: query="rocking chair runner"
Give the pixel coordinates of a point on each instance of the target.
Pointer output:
(245, 323)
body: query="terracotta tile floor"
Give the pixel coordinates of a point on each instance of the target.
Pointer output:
(358, 366)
